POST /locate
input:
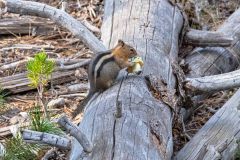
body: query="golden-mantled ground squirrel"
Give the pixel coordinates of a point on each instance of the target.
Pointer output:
(104, 68)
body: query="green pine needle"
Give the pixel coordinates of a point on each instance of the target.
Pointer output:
(38, 123)
(17, 149)
(3, 95)
(39, 69)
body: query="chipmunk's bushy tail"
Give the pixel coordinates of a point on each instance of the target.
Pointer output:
(82, 105)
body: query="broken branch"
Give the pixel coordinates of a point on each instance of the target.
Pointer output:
(58, 16)
(76, 133)
(46, 138)
(213, 83)
(207, 38)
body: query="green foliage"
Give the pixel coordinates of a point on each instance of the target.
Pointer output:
(3, 95)
(39, 69)
(17, 149)
(237, 152)
(38, 123)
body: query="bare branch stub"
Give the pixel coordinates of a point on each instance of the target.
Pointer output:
(207, 38)
(46, 138)
(213, 83)
(76, 133)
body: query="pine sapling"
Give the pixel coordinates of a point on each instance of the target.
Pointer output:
(39, 71)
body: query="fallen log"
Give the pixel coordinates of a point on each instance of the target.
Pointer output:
(222, 132)
(26, 25)
(215, 60)
(207, 38)
(212, 61)
(144, 129)
(20, 83)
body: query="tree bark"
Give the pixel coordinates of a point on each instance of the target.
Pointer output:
(213, 83)
(46, 138)
(219, 137)
(145, 129)
(20, 83)
(217, 60)
(26, 25)
(207, 38)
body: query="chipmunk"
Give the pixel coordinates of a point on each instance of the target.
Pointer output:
(104, 68)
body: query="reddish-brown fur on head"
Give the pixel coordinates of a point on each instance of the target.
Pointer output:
(123, 51)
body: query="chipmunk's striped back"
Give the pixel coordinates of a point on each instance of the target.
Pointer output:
(104, 68)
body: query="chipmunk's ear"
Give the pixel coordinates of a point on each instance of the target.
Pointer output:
(121, 43)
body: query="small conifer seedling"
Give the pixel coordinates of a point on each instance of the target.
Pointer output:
(39, 71)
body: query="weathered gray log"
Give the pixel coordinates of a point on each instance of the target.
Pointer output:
(210, 61)
(145, 129)
(219, 137)
(46, 138)
(213, 83)
(59, 17)
(76, 133)
(26, 25)
(19, 82)
(217, 60)
(207, 38)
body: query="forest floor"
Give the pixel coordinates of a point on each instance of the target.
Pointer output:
(61, 44)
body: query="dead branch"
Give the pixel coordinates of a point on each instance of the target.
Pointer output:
(46, 138)
(213, 83)
(64, 64)
(223, 134)
(58, 16)
(13, 65)
(77, 87)
(27, 47)
(26, 25)
(83, 95)
(76, 133)
(6, 131)
(91, 27)
(216, 60)
(74, 66)
(207, 38)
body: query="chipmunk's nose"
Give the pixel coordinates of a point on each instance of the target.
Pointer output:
(139, 72)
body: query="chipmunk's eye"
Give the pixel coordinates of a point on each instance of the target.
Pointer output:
(132, 50)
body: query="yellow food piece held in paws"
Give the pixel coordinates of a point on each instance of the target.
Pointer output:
(137, 67)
